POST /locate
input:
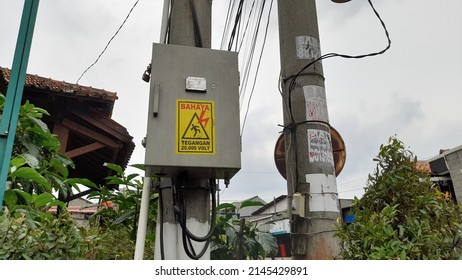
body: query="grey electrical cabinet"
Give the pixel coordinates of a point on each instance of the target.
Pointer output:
(193, 118)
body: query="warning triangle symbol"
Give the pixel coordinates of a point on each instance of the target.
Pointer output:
(195, 129)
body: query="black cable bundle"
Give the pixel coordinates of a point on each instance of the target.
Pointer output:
(179, 207)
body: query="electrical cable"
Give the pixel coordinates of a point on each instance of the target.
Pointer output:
(213, 219)
(238, 30)
(258, 68)
(187, 243)
(236, 22)
(169, 22)
(172, 5)
(330, 55)
(246, 25)
(292, 127)
(187, 236)
(109, 42)
(240, 40)
(225, 28)
(190, 250)
(161, 226)
(249, 59)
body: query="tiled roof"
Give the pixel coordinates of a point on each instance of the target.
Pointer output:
(77, 209)
(61, 87)
(87, 112)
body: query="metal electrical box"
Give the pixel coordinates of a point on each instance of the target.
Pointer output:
(193, 118)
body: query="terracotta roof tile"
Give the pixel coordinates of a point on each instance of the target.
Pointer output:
(77, 209)
(61, 87)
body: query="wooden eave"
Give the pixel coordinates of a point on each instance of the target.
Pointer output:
(81, 118)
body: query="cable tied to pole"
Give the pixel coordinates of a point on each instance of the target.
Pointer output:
(187, 235)
(291, 128)
(293, 78)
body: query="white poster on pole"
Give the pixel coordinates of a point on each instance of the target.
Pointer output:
(307, 47)
(320, 147)
(323, 193)
(316, 103)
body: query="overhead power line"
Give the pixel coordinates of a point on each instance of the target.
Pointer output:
(242, 34)
(258, 68)
(109, 42)
(293, 79)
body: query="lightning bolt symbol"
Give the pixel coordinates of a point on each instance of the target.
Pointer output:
(202, 119)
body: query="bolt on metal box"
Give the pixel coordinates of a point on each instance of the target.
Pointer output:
(193, 118)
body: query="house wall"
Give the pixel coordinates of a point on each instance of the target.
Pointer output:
(281, 206)
(274, 218)
(278, 215)
(80, 202)
(280, 226)
(80, 212)
(454, 163)
(247, 211)
(82, 220)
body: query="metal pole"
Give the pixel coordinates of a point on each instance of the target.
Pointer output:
(190, 25)
(144, 210)
(309, 157)
(143, 219)
(9, 118)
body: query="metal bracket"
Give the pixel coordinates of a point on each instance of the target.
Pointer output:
(184, 181)
(155, 110)
(162, 183)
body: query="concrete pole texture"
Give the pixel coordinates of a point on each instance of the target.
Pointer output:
(308, 144)
(190, 25)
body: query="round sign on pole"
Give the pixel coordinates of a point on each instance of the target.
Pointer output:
(338, 147)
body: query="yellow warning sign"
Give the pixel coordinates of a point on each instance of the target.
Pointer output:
(195, 127)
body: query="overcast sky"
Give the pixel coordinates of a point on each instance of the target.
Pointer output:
(412, 91)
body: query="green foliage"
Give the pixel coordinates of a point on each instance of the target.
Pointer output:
(31, 202)
(113, 244)
(127, 199)
(36, 165)
(402, 215)
(28, 231)
(38, 235)
(37, 171)
(118, 224)
(235, 239)
(31, 232)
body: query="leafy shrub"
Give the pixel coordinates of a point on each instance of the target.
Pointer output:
(37, 235)
(402, 215)
(117, 226)
(235, 239)
(37, 172)
(36, 165)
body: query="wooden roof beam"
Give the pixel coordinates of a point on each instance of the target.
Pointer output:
(75, 127)
(84, 150)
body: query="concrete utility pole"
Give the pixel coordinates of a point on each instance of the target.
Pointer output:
(190, 25)
(308, 144)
